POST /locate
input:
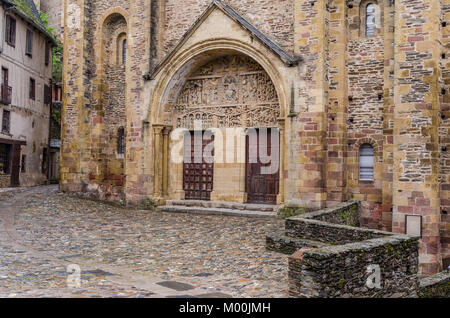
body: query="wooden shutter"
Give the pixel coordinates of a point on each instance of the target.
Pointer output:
(32, 89)
(8, 29)
(47, 95)
(13, 31)
(47, 53)
(29, 44)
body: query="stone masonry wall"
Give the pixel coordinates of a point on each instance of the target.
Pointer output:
(444, 139)
(416, 122)
(436, 286)
(341, 271)
(365, 56)
(274, 18)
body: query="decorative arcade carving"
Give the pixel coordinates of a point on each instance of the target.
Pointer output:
(232, 91)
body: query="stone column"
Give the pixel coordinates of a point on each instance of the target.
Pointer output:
(158, 155)
(417, 103)
(281, 195)
(165, 172)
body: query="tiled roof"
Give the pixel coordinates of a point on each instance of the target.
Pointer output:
(27, 10)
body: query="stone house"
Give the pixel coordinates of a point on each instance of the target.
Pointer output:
(26, 73)
(355, 94)
(54, 9)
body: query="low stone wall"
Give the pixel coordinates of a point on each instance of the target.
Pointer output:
(346, 213)
(278, 242)
(342, 271)
(298, 227)
(5, 181)
(436, 286)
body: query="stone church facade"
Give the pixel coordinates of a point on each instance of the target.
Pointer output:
(356, 91)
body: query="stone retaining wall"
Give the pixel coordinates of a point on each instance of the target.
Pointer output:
(337, 225)
(436, 286)
(346, 213)
(333, 258)
(342, 271)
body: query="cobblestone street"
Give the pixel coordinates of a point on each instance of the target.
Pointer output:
(128, 253)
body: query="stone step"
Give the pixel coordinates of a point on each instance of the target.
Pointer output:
(216, 211)
(278, 242)
(224, 205)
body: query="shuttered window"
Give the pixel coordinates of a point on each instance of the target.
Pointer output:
(366, 162)
(6, 121)
(10, 30)
(47, 95)
(47, 53)
(29, 44)
(32, 89)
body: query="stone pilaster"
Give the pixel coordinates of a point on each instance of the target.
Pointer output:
(73, 111)
(308, 129)
(388, 117)
(337, 104)
(416, 98)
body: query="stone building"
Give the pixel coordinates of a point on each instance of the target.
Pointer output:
(26, 73)
(357, 92)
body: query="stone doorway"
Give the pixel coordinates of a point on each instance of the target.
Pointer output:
(198, 169)
(262, 187)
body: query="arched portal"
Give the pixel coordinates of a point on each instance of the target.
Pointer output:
(231, 96)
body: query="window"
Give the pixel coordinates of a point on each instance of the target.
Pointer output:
(32, 89)
(366, 162)
(29, 44)
(23, 167)
(6, 91)
(47, 53)
(6, 121)
(370, 19)
(5, 153)
(121, 141)
(10, 31)
(47, 95)
(124, 52)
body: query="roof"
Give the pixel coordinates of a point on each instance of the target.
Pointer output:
(234, 15)
(28, 11)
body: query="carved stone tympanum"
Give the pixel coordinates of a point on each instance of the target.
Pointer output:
(232, 91)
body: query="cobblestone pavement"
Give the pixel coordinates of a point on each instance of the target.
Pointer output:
(128, 253)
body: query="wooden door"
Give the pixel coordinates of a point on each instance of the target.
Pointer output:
(15, 166)
(197, 177)
(261, 188)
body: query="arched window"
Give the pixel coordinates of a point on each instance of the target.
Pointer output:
(121, 141)
(366, 162)
(370, 19)
(124, 51)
